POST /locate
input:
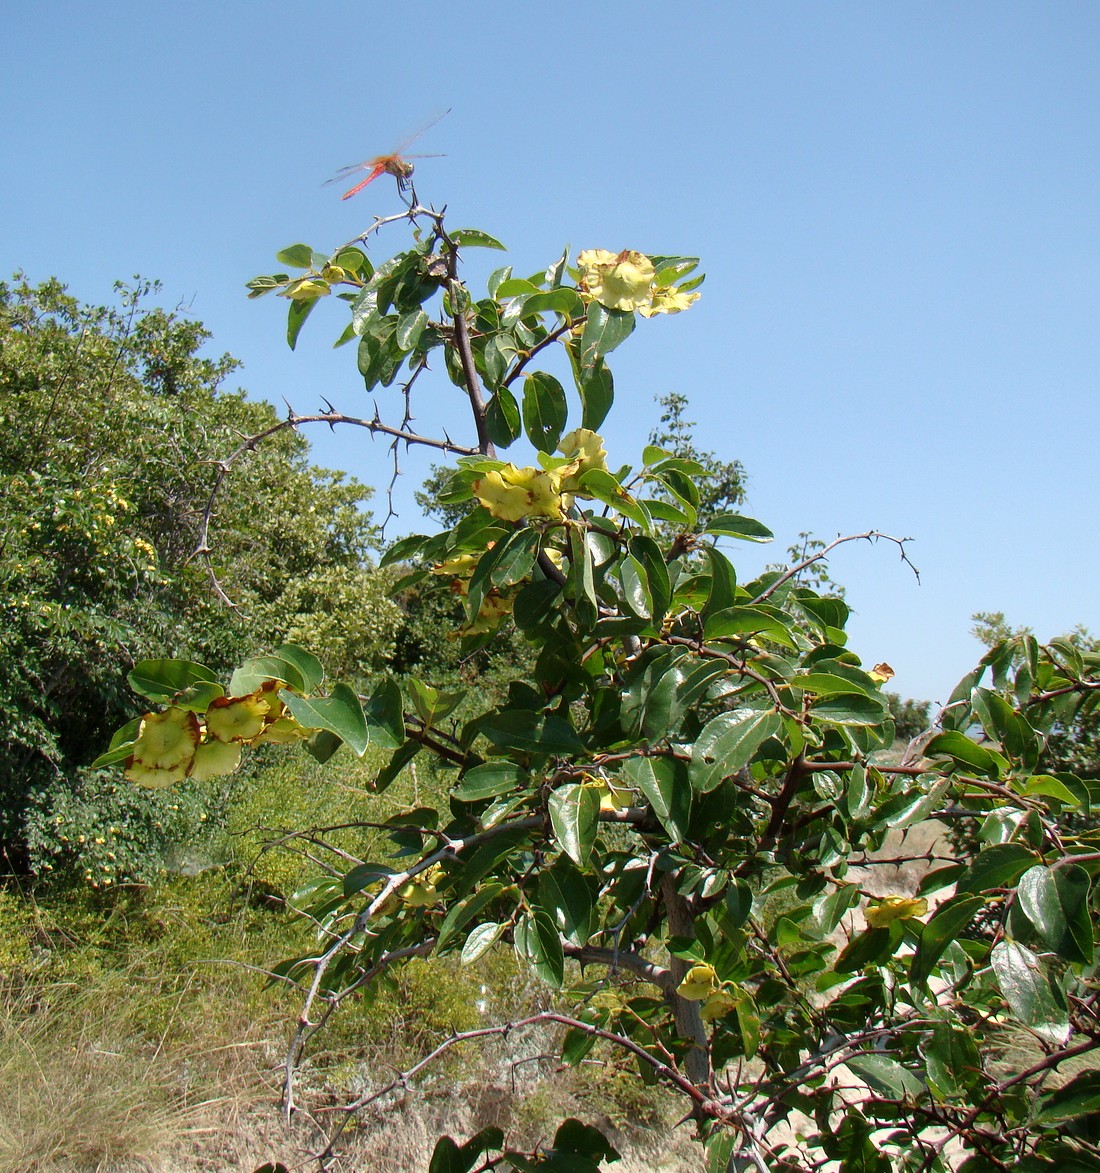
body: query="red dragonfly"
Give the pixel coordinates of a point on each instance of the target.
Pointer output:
(396, 163)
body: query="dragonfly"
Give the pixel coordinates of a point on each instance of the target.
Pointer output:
(396, 163)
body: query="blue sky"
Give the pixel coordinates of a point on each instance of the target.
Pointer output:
(896, 205)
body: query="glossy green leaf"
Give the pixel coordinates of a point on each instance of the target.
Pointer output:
(255, 673)
(596, 389)
(961, 749)
(664, 784)
(490, 780)
(952, 1061)
(475, 238)
(160, 680)
(480, 941)
(462, 912)
(574, 815)
(341, 714)
(599, 483)
(385, 715)
(566, 895)
(502, 418)
(851, 709)
(723, 583)
(940, 930)
(727, 744)
(310, 670)
(604, 329)
(652, 561)
(1029, 990)
(748, 622)
(999, 866)
(544, 410)
(401, 758)
(528, 732)
(733, 525)
(1080, 1097)
(297, 256)
(537, 942)
(298, 311)
(887, 1076)
(1056, 901)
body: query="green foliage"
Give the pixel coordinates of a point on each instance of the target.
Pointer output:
(677, 815)
(112, 422)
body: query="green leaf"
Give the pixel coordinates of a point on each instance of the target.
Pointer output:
(851, 709)
(409, 329)
(463, 911)
(659, 585)
(1080, 1097)
(723, 583)
(1029, 990)
(599, 483)
(733, 525)
(664, 784)
(255, 673)
(886, 1076)
(122, 745)
(748, 622)
(502, 419)
(999, 866)
(871, 947)
(574, 816)
(830, 910)
(385, 716)
(940, 930)
(604, 329)
(160, 680)
(508, 562)
(635, 587)
(396, 764)
(952, 1061)
(1055, 900)
(528, 732)
(961, 749)
(310, 670)
(341, 714)
(566, 895)
(490, 780)
(728, 743)
(297, 256)
(403, 550)
(475, 238)
(536, 942)
(544, 410)
(299, 310)
(574, 1137)
(596, 389)
(480, 941)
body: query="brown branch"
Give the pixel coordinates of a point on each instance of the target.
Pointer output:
(871, 535)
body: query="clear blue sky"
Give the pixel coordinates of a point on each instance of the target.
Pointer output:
(896, 205)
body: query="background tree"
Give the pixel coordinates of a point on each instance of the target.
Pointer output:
(112, 424)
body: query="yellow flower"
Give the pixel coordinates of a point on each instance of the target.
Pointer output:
(893, 908)
(620, 282)
(667, 300)
(586, 451)
(284, 731)
(699, 982)
(461, 566)
(237, 718)
(215, 758)
(718, 1005)
(493, 609)
(420, 892)
(515, 493)
(164, 749)
(612, 798)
